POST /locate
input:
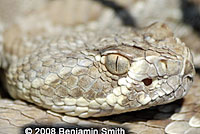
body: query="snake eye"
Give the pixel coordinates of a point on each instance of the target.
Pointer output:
(117, 64)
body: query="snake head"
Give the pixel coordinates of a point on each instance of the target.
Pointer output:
(146, 73)
(136, 70)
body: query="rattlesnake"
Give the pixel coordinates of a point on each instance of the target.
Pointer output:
(91, 70)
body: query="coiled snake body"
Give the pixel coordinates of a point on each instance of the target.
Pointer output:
(92, 72)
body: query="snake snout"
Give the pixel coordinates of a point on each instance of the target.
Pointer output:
(189, 72)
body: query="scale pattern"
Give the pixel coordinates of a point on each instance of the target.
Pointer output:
(94, 71)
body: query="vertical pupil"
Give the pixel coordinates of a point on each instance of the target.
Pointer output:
(116, 64)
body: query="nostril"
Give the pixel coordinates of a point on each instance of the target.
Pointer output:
(189, 78)
(189, 68)
(147, 81)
